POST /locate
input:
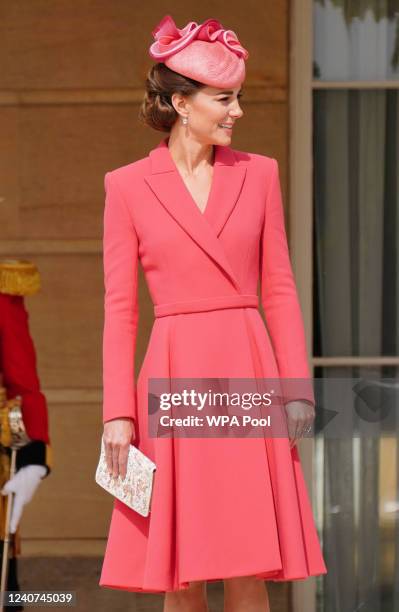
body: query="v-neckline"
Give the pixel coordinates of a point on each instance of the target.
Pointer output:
(215, 153)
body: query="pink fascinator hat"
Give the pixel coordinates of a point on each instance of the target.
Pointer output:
(204, 52)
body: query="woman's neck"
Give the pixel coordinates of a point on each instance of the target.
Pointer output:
(189, 155)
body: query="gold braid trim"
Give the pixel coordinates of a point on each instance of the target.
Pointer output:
(19, 277)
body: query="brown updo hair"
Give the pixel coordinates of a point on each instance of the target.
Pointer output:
(157, 110)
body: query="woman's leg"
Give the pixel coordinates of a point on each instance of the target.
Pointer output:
(193, 599)
(245, 594)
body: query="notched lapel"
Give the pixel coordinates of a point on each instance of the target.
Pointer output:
(204, 228)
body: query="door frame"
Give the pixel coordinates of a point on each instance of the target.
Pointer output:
(300, 218)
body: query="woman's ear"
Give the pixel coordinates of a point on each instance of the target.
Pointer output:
(179, 103)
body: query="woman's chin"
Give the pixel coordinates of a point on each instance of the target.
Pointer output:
(225, 134)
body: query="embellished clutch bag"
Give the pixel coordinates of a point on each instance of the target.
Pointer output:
(135, 490)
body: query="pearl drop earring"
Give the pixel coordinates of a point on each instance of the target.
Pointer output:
(184, 120)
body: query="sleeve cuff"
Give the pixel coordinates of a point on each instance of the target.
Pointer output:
(35, 452)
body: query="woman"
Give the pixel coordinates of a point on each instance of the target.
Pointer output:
(206, 222)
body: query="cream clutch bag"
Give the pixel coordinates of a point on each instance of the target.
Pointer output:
(136, 489)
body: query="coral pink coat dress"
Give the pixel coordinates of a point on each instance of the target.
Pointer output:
(221, 507)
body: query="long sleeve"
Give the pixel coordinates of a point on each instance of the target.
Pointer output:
(19, 367)
(120, 259)
(280, 299)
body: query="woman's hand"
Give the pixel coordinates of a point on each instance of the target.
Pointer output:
(118, 435)
(300, 417)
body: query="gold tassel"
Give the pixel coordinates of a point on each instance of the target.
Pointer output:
(19, 277)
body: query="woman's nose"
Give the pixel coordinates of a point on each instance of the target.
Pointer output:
(237, 112)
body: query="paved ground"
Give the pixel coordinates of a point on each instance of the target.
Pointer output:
(82, 574)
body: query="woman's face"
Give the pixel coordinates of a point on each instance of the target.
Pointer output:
(208, 111)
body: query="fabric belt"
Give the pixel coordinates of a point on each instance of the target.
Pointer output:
(202, 305)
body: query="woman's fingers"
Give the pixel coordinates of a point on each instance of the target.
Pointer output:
(295, 426)
(292, 430)
(108, 456)
(123, 456)
(118, 434)
(300, 416)
(296, 435)
(116, 457)
(115, 461)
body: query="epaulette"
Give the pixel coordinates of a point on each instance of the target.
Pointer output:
(19, 277)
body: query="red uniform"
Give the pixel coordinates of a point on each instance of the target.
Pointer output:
(18, 376)
(18, 366)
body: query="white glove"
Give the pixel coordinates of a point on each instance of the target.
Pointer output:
(24, 484)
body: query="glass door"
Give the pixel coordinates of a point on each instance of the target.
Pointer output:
(355, 300)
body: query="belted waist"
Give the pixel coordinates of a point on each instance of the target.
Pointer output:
(211, 303)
